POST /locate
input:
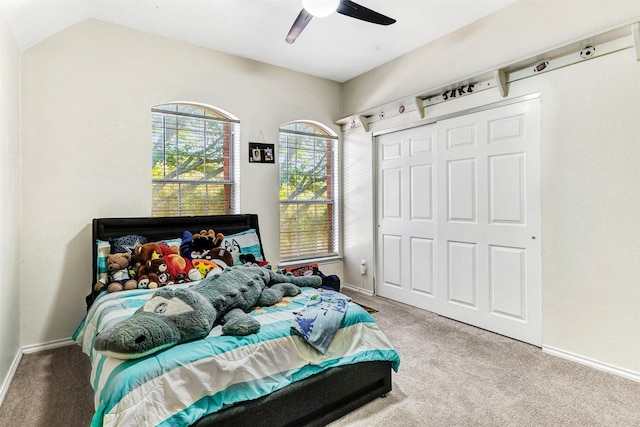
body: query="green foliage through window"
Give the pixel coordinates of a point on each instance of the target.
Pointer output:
(308, 171)
(192, 160)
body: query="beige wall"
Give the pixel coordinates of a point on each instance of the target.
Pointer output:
(590, 152)
(87, 94)
(10, 204)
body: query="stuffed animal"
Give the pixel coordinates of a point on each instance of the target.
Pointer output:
(119, 277)
(143, 254)
(146, 252)
(248, 259)
(206, 267)
(144, 282)
(168, 250)
(202, 243)
(208, 245)
(220, 256)
(181, 269)
(157, 272)
(175, 315)
(251, 259)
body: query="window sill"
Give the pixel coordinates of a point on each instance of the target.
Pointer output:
(321, 260)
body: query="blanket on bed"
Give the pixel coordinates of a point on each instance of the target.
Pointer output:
(178, 386)
(177, 315)
(319, 320)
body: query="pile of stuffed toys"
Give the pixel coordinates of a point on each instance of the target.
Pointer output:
(153, 265)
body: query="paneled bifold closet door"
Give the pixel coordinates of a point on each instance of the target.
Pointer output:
(459, 219)
(406, 216)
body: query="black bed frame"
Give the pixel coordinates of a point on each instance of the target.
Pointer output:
(159, 228)
(315, 401)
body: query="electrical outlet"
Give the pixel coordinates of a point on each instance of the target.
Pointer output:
(363, 267)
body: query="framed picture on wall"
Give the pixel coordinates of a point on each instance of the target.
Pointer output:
(261, 153)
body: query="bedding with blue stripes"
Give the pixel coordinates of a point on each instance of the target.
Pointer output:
(180, 385)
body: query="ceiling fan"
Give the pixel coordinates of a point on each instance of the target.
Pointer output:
(322, 8)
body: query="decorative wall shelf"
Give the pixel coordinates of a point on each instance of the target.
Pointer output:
(624, 37)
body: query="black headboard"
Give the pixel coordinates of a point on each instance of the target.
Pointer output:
(158, 228)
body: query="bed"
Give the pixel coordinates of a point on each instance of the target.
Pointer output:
(270, 378)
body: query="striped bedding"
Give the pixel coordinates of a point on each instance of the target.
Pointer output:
(180, 385)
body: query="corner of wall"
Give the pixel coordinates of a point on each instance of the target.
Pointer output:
(10, 182)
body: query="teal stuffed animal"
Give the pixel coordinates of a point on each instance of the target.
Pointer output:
(176, 315)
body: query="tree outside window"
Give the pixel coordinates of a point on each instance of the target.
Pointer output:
(193, 163)
(308, 178)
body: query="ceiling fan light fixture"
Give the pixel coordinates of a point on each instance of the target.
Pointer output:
(320, 8)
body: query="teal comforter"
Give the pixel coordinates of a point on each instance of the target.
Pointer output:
(180, 385)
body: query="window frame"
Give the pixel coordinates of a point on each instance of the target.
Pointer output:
(332, 247)
(229, 160)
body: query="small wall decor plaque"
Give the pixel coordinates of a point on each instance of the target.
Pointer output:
(260, 152)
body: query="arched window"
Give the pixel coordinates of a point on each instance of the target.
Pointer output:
(308, 191)
(194, 168)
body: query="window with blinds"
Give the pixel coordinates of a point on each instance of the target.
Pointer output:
(308, 188)
(193, 164)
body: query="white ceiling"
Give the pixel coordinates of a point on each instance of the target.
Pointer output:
(336, 47)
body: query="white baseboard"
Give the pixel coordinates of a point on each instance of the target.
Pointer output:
(357, 289)
(635, 376)
(12, 371)
(34, 348)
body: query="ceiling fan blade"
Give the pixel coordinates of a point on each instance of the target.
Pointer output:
(354, 10)
(298, 25)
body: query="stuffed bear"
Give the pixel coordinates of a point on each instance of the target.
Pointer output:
(143, 254)
(157, 272)
(119, 277)
(146, 252)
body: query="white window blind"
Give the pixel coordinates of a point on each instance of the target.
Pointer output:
(308, 178)
(193, 164)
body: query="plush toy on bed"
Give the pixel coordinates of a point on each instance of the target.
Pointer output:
(158, 273)
(144, 282)
(206, 245)
(179, 268)
(143, 254)
(175, 315)
(119, 277)
(146, 252)
(206, 267)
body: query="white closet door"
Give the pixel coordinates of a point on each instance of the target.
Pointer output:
(406, 214)
(459, 219)
(488, 232)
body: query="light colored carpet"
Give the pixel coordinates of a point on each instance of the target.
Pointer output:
(50, 389)
(452, 374)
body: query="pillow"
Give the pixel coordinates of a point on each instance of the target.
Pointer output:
(246, 242)
(126, 243)
(171, 242)
(104, 248)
